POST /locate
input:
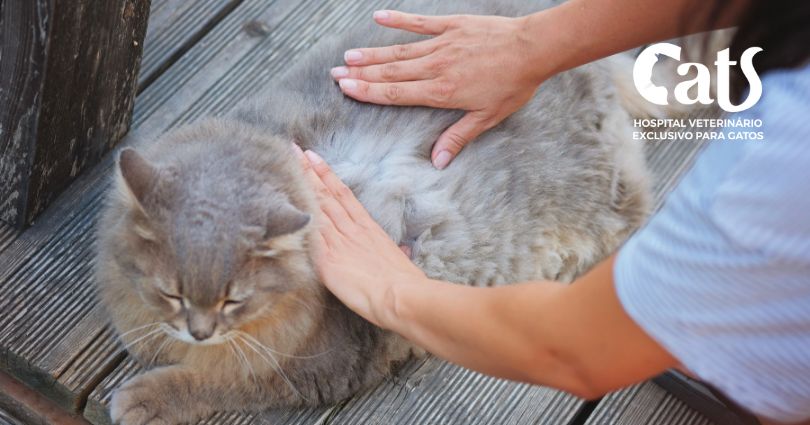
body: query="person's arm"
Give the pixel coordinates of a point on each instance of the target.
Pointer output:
(491, 66)
(572, 337)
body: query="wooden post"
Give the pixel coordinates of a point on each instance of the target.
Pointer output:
(68, 79)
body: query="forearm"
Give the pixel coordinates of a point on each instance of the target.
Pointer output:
(485, 329)
(580, 31)
(572, 337)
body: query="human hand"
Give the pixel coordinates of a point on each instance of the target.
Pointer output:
(475, 63)
(354, 257)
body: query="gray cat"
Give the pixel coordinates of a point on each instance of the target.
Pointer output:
(203, 261)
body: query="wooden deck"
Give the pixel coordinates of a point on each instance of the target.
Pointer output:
(201, 58)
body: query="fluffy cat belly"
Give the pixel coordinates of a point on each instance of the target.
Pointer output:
(417, 208)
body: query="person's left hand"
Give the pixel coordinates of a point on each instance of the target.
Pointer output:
(355, 258)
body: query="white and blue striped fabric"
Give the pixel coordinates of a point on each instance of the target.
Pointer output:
(720, 277)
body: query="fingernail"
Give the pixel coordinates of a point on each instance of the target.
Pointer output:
(348, 84)
(313, 157)
(352, 55)
(381, 15)
(339, 72)
(442, 159)
(298, 152)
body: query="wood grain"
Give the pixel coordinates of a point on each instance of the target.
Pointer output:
(644, 404)
(7, 235)
(32, 408)
(6, 418)
(23, 48)
(69, 76)
(174, 27)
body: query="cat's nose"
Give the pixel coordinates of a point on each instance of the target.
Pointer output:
(201, 324)
(201, 334)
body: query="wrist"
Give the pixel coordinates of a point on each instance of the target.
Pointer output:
(397, 313)
(551, 42)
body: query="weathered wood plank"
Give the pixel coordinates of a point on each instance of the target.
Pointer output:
(68, 74)
(7, 235)
(644, 404)
(175, 26)
(23, 49)
(26, 405)
(7, 419)
(436, 392)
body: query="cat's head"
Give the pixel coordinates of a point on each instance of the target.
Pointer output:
(209, 248)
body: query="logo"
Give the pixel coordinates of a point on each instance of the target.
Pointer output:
(642, 77)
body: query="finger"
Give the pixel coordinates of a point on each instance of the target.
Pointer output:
(453, 140)
(420, 24)
(299, 155)
(399, 52)
(406, 250)
(407, 70)
(408, 93)
(334, 216)
(340, 192)
(332, 211)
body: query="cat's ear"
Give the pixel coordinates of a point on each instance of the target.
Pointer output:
(284, 219)
(281, 232)
(138, 176)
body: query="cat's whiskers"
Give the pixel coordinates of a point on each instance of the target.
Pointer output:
(167, 340)
(146, 337)
(138, 329)
(277, 366)
(243, 358)
(266, 347)
(229, 344)
(235, 350)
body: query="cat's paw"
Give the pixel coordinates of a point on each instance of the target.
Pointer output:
(140, 402)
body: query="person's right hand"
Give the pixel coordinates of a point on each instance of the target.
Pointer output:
(475, 63)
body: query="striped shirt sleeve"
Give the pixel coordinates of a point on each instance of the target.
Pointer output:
(720, 277)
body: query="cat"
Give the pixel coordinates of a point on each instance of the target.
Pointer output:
(203, 244)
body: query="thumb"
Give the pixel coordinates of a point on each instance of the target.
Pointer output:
(453, 140)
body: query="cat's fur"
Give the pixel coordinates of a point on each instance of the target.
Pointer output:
(218, 211)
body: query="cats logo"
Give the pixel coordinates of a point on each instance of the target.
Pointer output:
(643, 69)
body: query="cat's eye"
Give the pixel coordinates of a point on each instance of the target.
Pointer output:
(230, 305)
(170, 296)
(176, 300)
